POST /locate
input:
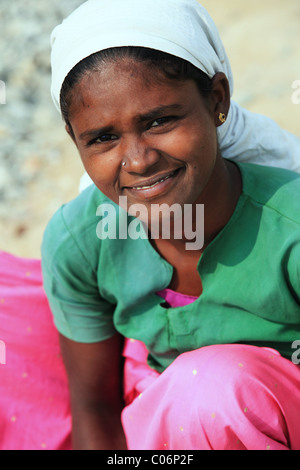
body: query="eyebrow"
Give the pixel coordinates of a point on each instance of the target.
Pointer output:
(151, 115)
(156, 112)
(93, 133)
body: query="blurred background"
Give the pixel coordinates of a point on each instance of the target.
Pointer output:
(39, 166)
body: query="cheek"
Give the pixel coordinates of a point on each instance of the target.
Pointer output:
(198, 147)
(103, 171)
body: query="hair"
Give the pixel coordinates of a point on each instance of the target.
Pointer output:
(170, 67)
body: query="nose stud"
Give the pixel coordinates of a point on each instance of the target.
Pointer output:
(123, 163)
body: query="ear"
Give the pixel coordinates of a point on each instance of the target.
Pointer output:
(220, 97)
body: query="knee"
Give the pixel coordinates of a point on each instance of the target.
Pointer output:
(226, 361)
(230, 392)
(220, 397)
(223, 375)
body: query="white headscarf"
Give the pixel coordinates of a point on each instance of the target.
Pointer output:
(184, 29)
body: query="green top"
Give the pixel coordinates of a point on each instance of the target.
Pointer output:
(250, 275)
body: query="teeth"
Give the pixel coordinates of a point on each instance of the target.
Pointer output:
(152, 185)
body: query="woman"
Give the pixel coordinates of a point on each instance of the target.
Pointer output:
(144, 115)
(207, 331)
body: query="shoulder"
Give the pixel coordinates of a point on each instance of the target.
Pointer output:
(91, 233)
(71, 231)
(274, 189)
(70, 263)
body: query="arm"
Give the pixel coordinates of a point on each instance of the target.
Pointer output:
(94, 373)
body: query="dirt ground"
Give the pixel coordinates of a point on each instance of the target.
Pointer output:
(262, 41)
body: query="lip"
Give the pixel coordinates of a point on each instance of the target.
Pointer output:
(153, 186)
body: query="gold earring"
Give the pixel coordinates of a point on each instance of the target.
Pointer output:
(222, 117)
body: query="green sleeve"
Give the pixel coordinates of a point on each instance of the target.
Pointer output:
(70, 283)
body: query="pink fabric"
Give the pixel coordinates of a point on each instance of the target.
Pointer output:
(223, 397)
(34, 402)
(175, 299)
(218, 397)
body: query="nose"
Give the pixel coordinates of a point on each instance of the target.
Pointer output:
(138, 155)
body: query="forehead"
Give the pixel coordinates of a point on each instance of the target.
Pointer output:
(124, 80)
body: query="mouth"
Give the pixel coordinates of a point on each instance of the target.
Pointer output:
(153, 186)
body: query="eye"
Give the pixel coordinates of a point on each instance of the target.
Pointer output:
(161, 121)
(103, 139)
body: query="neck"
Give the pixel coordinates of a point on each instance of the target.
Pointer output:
(220, 198)
(209, 214)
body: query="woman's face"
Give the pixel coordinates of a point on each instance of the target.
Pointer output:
(163, 130)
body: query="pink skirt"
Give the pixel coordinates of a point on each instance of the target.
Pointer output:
(217, 397)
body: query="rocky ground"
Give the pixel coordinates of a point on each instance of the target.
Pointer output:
(40, 168)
